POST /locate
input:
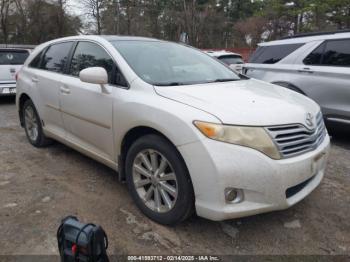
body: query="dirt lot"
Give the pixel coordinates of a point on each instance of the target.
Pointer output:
(38, 187)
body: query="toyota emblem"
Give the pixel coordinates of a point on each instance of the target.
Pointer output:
(309, 120)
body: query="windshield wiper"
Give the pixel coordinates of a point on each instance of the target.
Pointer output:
(168, 84)
(224, 80)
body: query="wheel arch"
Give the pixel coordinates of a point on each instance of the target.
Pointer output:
(129, 138)
(289, 86)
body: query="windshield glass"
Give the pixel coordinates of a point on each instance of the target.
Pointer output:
(231, 59)
(164, 63)
(10, 57)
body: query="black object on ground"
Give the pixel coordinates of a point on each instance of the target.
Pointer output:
(81, 242)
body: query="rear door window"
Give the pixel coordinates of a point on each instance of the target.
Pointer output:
(56, 57)
(272, 54)
(337, 53)
(231, 59)
(13, 57)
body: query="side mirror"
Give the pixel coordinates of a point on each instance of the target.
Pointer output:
(94, 75)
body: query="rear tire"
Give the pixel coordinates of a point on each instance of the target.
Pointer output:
(32, 126)
(158, 180)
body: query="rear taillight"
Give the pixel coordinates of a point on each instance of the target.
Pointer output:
(16, 76)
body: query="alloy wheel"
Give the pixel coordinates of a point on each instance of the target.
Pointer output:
(155, 180)
(31, 123)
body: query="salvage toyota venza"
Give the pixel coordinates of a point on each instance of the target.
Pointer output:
(187, 133)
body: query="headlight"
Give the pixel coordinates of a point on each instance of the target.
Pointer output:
(253, 137)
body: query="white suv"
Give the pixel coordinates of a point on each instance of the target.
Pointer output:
(11, 60)
(233, 60)
(317, 66)
(186, 132)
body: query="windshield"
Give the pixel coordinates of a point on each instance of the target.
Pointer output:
(13, 57)
(165, 63)
(231, 59)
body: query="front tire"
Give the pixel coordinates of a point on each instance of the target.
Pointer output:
(158, 180)
(33, 126)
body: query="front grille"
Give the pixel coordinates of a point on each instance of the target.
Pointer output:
(296, 139)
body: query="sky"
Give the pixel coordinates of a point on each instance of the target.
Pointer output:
(74, 7)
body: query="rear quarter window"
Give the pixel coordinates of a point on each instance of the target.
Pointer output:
(330, 53)
(337, 53)
(13, 57)
(272, 54)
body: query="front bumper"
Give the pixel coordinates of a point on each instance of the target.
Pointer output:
(215, 166)
(7, 89)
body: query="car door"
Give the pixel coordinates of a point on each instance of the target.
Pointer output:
(325, 77)
(86, 110)
(47, 79)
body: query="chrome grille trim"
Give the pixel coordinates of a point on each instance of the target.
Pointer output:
(296, 139)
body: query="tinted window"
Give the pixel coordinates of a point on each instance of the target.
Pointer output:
(36, 61)
(13, 57)
(90, 55)
(164, 63)
(272, 54)
(56, 57)
(337, 53)
(315, 57)
(231, 59)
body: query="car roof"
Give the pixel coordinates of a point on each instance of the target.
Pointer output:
(128, 38)
(105, 37)
(220, 53)
(307, 39)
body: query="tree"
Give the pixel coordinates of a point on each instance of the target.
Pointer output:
(4, 18)
(94, 9)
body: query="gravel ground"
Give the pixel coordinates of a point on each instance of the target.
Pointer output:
(38, 187)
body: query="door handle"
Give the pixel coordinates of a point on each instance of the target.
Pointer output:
(35, 79)
(306, 70)
(64, 90)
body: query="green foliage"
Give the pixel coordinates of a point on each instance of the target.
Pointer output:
(207, 23)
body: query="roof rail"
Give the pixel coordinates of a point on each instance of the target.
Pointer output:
(317, 33)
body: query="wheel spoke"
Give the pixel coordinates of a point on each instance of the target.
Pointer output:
(167, 177)
(163, 165)
(28, 121)
(157, 198)
(168, 188)
(166, 198)
(146, 162)
(27, 114)
(154, 161)
(139, 169)
(149, 193)
(142, 182)
(31, 112)
(35, 133)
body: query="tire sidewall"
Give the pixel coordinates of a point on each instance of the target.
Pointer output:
(185, 199)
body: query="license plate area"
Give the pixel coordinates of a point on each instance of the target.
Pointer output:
(11, 90)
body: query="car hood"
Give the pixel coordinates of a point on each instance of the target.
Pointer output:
(246, 102)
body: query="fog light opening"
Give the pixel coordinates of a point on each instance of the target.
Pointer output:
(233, 195)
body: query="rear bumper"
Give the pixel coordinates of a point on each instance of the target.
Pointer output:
(267, 184)
(8, 89)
